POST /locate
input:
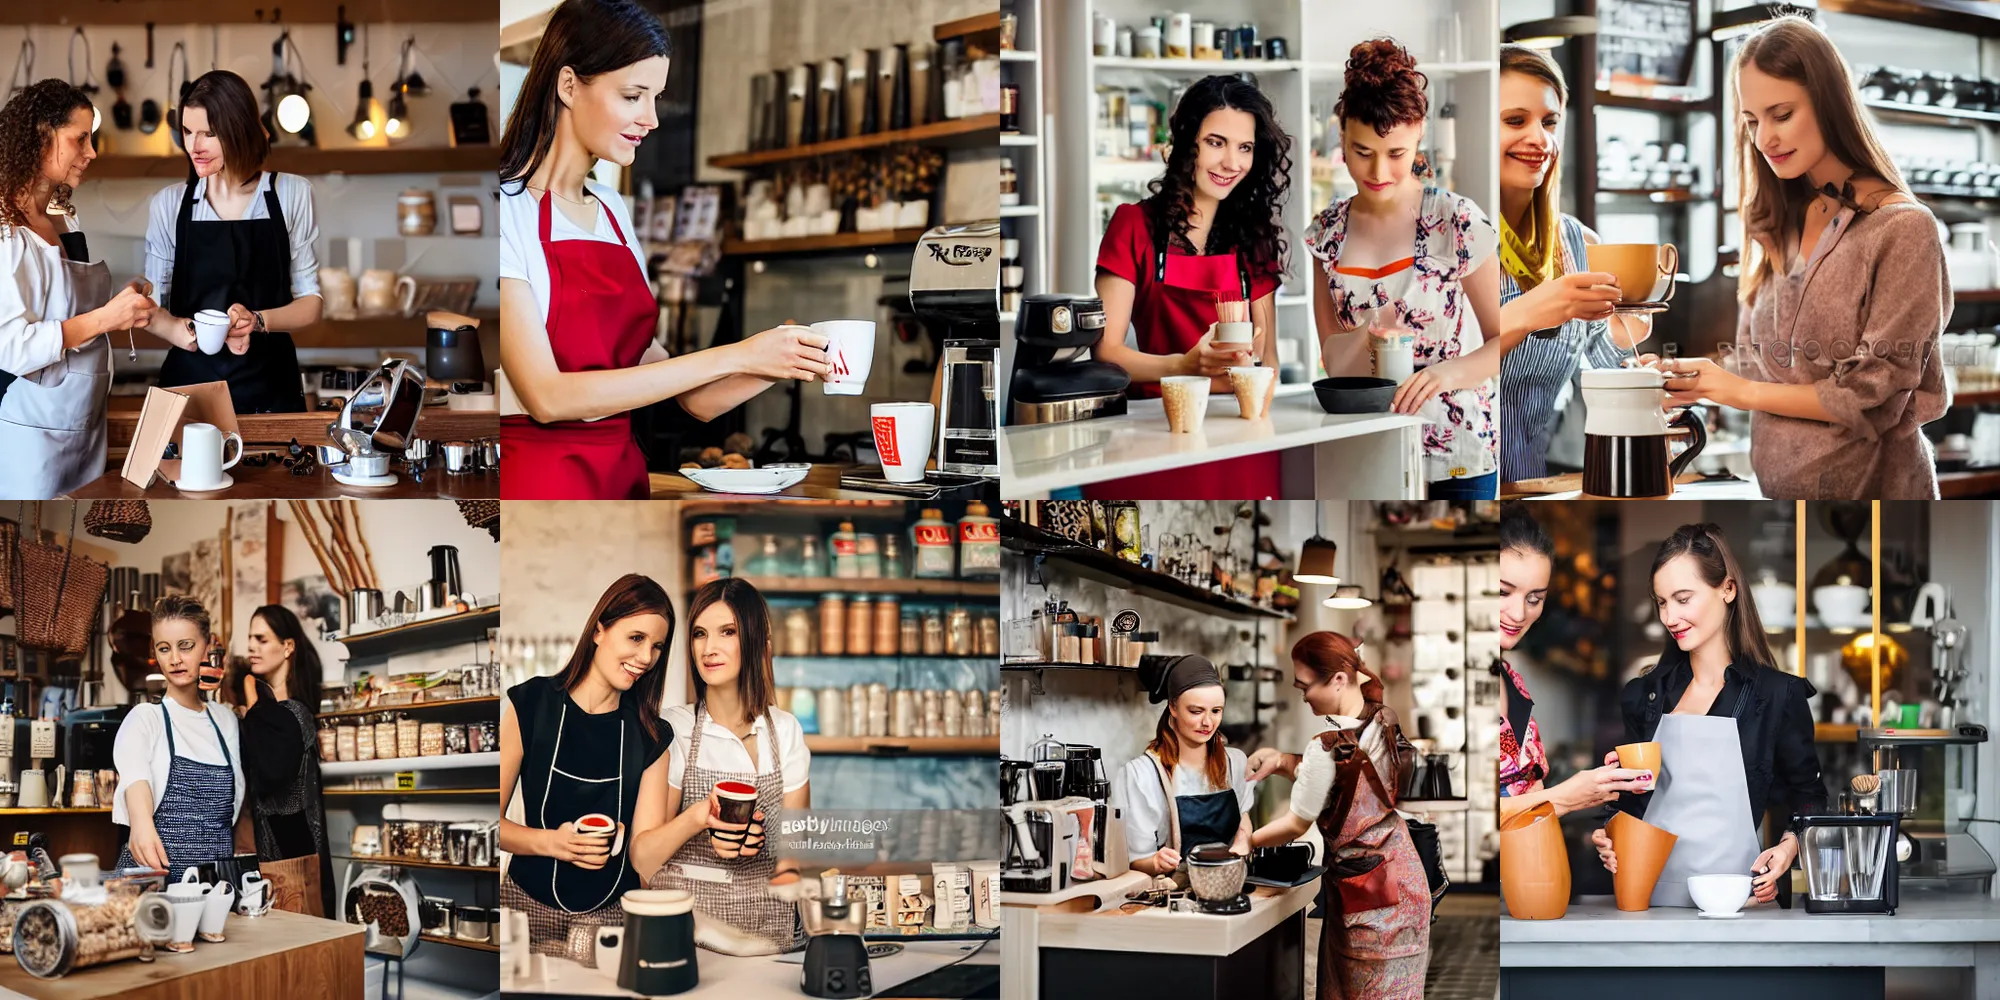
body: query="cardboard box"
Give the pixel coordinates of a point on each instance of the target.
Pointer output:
(951, 894)
(985, 893)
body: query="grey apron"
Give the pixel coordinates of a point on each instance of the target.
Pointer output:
(1704, 799)
(52, 421)
(734, 890)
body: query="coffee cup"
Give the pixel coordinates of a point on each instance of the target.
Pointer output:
(738, 800)
(658, 956)
(215, 911)
(903, 438)
(1186, 399)
(1252, 385)
(211, 328)
(1645, 271)
(1234, 333)
(850, 351)
(606, 945)
(603, 827)
(203, 451)
(255, 899)
(187, 920)
(1640, 757)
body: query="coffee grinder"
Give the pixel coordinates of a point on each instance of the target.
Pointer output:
(1055, 379)
(836, 962)
(1933, 845)
(955, 290)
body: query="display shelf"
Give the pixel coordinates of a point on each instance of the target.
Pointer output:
(822, 244)
(1064, 666)
(1971, 17)
(973, 131)
(317, 162)
(1975, 295)
(415, 706)
(418, 863)
(456, 943)
(1977, 397)
(1968, 484)
(905, 746)
(1932, 115)
(792, 507)
(1429, 69)
(1200, 67)
(383, 793)
(918, 587)
(973, 25)
(430, 633)
(1107, 568)
(438, 762)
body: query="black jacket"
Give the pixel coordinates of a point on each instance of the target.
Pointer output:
(1774, 728)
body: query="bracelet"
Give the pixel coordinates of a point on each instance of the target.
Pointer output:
(259, 327)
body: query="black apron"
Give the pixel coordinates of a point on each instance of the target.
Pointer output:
(74, 248)
(555, 797)
(1194, 820)
(217, 264)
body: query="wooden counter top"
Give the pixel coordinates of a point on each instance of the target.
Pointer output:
(822, 483)
(275, 482)
(280, 954)
(1153, 929)
(435, 423)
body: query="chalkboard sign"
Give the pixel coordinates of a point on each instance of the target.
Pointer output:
(1645, 42)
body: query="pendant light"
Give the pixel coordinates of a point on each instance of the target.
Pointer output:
(1347, 597)
(290, 111)
(363, 126)
(1316, 556)
(1550, 32)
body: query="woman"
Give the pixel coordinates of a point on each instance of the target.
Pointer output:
(180, 780)
(56, 304)
(1379, 945)
(1210, 231)
(1443, 287)
(1735, 732)
(576, 309)
(1206, 800)
(735, 733)
(1544, 287)
(1526, 556)
(280, 692)
(1843, 295)
(237, 239)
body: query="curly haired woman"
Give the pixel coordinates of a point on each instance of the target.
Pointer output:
(56, 304)
(1209, 230)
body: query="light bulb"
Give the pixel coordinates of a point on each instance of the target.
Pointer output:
(293, 113)
(363, 129)
(398, 124)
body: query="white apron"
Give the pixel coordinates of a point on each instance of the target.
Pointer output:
(52, 421)
(1704, 799)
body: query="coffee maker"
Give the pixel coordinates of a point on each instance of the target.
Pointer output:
(1933, 845)
(955, 290)
(1850, 863)
(836, 961)
(1625, 434)
(1055, 379)
(1084, 778)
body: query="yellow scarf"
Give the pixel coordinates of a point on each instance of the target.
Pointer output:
(1531, 258)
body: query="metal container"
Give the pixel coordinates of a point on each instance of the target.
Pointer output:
(363, 605)
(460, 458)
(489, 454)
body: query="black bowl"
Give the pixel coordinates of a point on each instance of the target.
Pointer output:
(1354, 394)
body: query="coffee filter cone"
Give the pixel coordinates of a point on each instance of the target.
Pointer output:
(1534, 865)
(1642, 850)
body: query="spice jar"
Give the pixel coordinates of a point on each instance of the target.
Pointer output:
(860, 625)
(857, 710)
(430, 742)
(329, 741)
(958, 632)
(986, 636)
(952, 707)
(409, 736)
(385, 736)
(455, 740)
(912, 634)
(975, 714)
(364, 740)
(933, 714)
(933, 632)
(416, 213)
(798, 631)
(832, 625)
(888, 622)
(346, 747)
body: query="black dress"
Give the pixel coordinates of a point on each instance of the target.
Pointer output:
(281, 779)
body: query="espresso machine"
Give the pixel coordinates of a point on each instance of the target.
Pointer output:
(955, 290)
(1929, 780)
(1055, 379)
(1084, 778)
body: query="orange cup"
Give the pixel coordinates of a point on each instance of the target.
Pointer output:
(1640, 757)
(1642, 850)
(1534, 865)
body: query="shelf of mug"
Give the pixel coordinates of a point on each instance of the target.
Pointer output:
(430, 633)
(1930, 114)
(842, 242)
(456, 943)
(918, 587)
(384, 793)
(417, 863)
(905, 746)
(415, 706)
(309, 162)
(438, 762)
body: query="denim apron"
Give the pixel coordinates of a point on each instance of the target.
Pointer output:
(194, 810)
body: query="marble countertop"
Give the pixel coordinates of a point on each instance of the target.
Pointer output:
(1042, 457)
(1154, 929)
(1927, 918)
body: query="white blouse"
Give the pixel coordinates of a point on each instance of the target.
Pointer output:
(1314, 779)
(521, 255)
(32, 281)
(722, 751)
(295, 199)
(140, 750)
(1145, 802)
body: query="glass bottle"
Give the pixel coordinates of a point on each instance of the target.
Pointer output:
(812, 557)
(931, 542)
(844, 551)
(978, 544)
(860, 625)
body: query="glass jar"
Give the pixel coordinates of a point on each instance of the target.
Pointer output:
(878, 709)
(812, 557)
(416, 213)
(958, 632)
(986, 638)
(798, 631)
(868, 548)
(346, 746)
(455, 740)
(892, 556)
(888, 625)
(933, 632)
(857, 710)
(860, 625)
(932, 543)
(485, 738)
(385, 736)
(903, 714)
(912, 634)
(409, 736)
(832, 625)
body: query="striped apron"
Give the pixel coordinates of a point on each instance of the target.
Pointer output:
(194, 810)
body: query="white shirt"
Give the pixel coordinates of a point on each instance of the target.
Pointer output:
(521, 255)
(32, 282)
(1145, 802)
(722, 751)
(140, 750)
(1314, 779)
(295, 199)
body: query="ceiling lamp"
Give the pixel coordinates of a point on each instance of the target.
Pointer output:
(1316, 557)
(290, 111)
(1347, 598)
(1550, 32)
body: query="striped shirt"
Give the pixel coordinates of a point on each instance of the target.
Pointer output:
(1537, 378)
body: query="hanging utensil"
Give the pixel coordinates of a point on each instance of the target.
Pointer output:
(114, 75)
(89, 85)
(149, 112)
(24, 68)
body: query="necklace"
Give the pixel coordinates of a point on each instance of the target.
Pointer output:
(560, 196)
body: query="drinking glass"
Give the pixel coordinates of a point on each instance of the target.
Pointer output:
(1865, 850)
(1824, 877)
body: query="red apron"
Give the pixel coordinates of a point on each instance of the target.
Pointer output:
(601, 315)
(1375, 941)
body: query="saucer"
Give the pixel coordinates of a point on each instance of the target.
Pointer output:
(227, 482)
(385, 479)
(1718, 916)
(1631, 308)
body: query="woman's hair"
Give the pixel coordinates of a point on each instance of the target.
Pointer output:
(756, 685)
(1793, 48)
(1712, 559)
(1167, 746)
(180, 607)
(1383, 88)
(590, 37)
(1520, 530)
(232, 117)
(1543, 210)
(629, 595)
(305, 679)
(28, 125)
(1328, 653)
(1247, 222)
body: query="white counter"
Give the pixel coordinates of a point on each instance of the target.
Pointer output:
(766, 976)
(1376, 456)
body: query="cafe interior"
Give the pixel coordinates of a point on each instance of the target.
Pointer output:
(1647, 159)
(1091, 593)
(389, 111)
(398, 599)
(806, 165)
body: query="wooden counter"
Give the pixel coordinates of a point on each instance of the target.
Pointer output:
(435, 423)
(277, 955)
(275, 482)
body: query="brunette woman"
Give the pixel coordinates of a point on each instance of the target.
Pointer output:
(180, 776)
(1188, 788)
(1527, 555)
(1378, 945)
(1404, 257)
(1737, 731)
(1211, 229)
(1545, 289)
(280, 708)
(735, 734)
(56, 304)
(577, 310)
(1843, 294)
(237, 239)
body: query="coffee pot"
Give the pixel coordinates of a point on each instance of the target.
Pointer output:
(836, 962)
(1625, 433)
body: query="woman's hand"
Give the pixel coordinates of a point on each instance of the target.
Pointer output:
(786, 351)
(1209, 358)
(249, 690)
(1585, 295)
(728, 839)
(130, 308)
(1692, 380)
(1771, 866)
(242, 322)
(1165, 860)
(1264, 762)
(584, 851)
(1596, 787)
(1445, 376)
(146, 847)
(1602, 841)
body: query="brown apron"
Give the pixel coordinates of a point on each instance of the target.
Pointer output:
(1375, 941)
(734, 891)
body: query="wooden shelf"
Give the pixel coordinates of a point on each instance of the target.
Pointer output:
(415, 706)
(262, 430)
(918, 587)
(1193, 67)
(1065, 666)
(391, 765)
(1106, 568)
(1933, 115)
(369, 331)
(978, 130)
(418, 863)
(450, 630)
(383, 793)
(1828, 732)
(822, 244)
(966, 26)
(1976, 295)
(1607, 99)
(906, 746)
(1977, 397)
(55, 812)
(895, 510)
(1970, 484)
(316, 162)
(456, 943)
(1970, 17)
(179, 12)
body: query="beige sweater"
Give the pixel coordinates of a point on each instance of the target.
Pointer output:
(1860, 324)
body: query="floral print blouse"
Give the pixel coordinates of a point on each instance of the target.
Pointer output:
(1523, 763)
(1453, 239)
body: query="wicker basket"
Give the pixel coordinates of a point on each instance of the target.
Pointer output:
(60, 592)
(119, 520)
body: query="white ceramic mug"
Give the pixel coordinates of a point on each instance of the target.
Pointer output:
(903, 438)
(850, 352)
(187, 920)
(255, 900)
(211, 328)
(215, 911)
(611, 832)
(609, 942)
(203, 447)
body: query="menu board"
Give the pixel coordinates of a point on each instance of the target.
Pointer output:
(1645, 41)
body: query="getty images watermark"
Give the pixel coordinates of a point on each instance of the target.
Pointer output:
(1833, 353)
(852, 836)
